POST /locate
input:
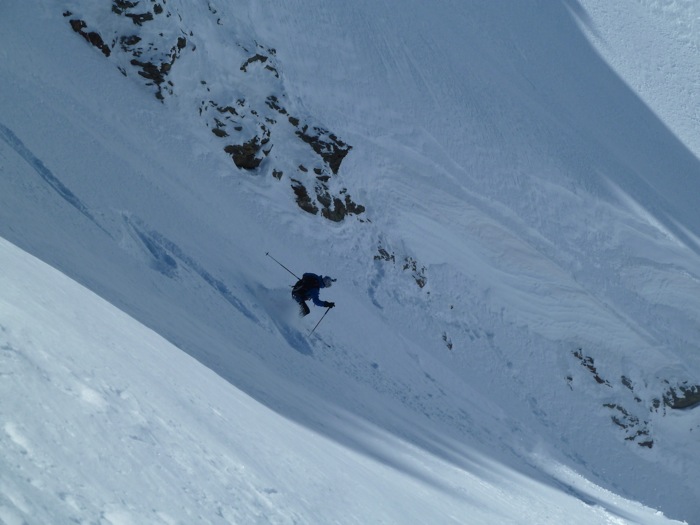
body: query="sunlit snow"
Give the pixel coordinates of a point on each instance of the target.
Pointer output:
(515, 304)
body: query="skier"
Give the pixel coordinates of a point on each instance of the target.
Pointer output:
(307, 288)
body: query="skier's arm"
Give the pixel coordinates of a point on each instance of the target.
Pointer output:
(314, 297)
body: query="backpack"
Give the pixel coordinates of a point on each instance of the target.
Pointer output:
(307, 282)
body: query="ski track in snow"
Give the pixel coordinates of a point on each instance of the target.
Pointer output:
(16, 144)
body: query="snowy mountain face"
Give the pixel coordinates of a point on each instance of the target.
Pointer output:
(174, 49)
(504, 193)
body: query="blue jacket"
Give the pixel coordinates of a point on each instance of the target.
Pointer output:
(308, 287)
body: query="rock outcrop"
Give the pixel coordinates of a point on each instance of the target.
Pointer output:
(246, 111)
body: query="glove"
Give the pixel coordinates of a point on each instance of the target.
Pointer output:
(329, 304)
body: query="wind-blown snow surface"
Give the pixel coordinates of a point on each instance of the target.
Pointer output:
(535, 184)
(125, 428)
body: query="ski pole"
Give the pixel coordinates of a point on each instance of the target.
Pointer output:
(319, 321)
(282, 265)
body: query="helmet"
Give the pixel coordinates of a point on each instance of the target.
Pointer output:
(327, 281)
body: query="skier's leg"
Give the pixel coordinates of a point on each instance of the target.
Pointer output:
(303, 308)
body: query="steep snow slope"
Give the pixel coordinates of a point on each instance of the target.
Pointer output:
(653, 46)
(114, 424)
(530, 217)
(547, 200)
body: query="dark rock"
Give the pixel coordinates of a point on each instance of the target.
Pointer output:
(140, 18)
(627, 382)
(587, 362)
(332, 151)
(130, 41)
(302, 197)
(227, 109)
(340, 209)
(257, 58)
(352, 207)
(631, 424)
(682, 396)
(447, 340)
(93, 37)
(337, 213)
(418, 274)
(384, 256)
(273, 103)
(244, 155)
(151, 71)
(119, 6)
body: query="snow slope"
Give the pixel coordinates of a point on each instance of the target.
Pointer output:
(508, 163)
(126, 428)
